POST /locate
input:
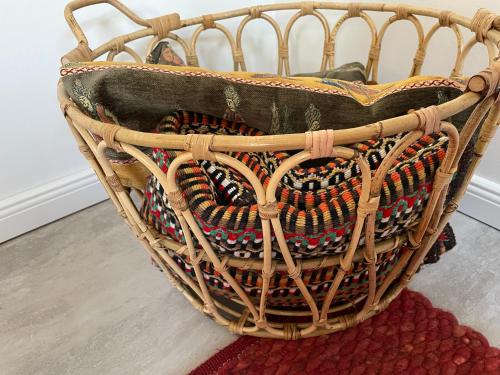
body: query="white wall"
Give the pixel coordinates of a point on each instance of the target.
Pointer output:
(42, 175)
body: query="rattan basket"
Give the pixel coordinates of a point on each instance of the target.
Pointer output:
(189, 265)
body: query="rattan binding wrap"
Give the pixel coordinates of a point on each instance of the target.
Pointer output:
(242, 316)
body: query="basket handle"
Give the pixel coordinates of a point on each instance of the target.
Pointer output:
(83, 52)
(78, 4)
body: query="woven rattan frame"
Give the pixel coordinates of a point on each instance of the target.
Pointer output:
(482, 91)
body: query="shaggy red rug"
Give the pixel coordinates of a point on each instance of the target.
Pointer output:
(410, 337)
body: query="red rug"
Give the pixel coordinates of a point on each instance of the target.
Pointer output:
(410, 337)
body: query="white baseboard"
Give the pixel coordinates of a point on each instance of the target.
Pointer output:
(482, 201)
(41, 205)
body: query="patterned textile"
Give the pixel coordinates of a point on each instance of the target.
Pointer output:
(213, 188)
(317, 201)
(164, 54)
(445, 242)
(352, 72)
(283, 292)
(132, 173)
(139, 96)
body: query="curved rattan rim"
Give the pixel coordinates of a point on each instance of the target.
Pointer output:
(493, 35)
(297, 141)
(259, 143)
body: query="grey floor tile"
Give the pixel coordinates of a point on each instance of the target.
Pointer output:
(79, 296)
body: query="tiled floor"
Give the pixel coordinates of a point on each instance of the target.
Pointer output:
(80, 297)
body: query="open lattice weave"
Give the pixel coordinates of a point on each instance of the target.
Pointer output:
(309, 230)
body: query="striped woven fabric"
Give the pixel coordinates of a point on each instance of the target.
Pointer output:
(283, 292)
(316, 201)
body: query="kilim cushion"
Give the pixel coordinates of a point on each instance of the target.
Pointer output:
(139, 96)
(283, 290)
(213, 190)
(316, 201)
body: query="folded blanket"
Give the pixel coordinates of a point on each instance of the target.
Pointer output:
(316, 201)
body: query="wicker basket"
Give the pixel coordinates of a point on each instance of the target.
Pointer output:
(247, 295)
